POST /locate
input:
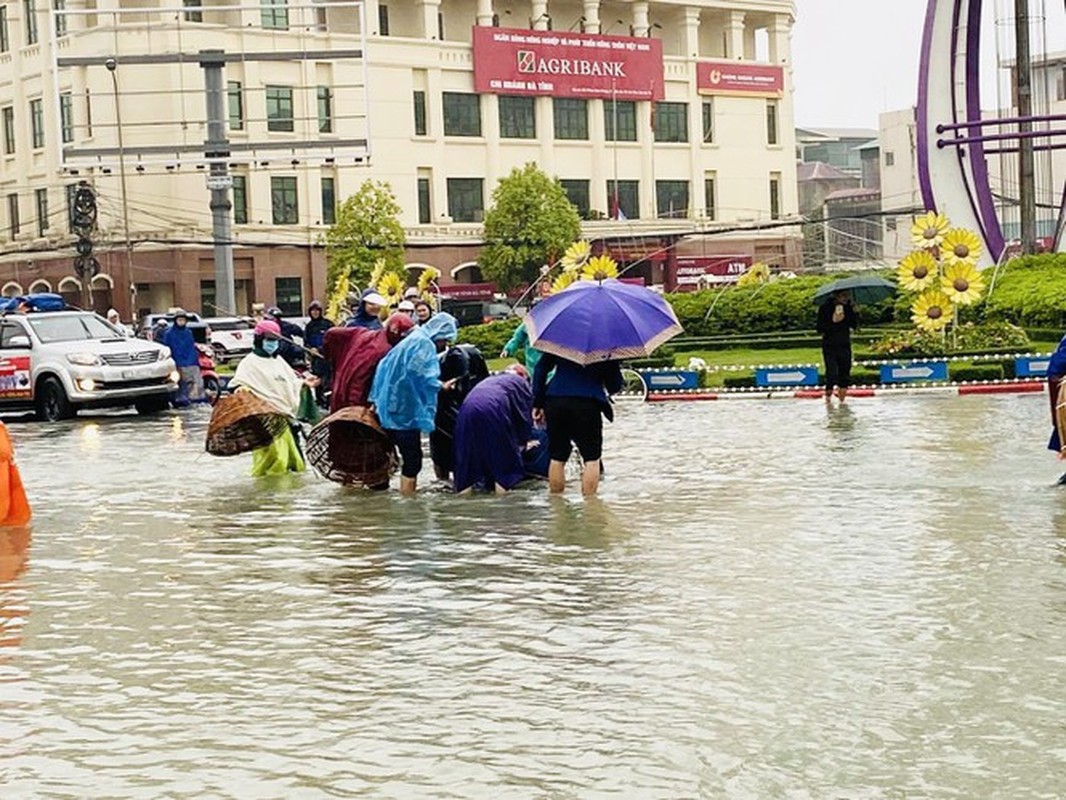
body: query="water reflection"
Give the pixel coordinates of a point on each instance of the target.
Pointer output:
(767, 600)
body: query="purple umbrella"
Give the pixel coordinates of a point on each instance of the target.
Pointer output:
(607, 320)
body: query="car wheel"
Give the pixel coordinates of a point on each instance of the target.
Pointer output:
(151, 405)
(212, 389)
(52, 402)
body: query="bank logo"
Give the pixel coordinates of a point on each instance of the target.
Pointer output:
(716, 76)
(527, 61)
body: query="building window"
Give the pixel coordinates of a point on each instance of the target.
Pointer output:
(29, 11)
(671, 199)
(620, 116)
(577, 192)
(571, 118)
(194, 10)
(36, 124)
(13, 223)
(775, 195)
(425, 210)
(890, 158)
(383, 20)
(235, 94)
(623, 198)
(283, 202)
(5, 41)
(465, 199)
(440, 26)
(771, 122)
(240, 199)
(329, 201)
(279, 108)
(61, 19)
(670, 122)
(9, 130)
(40, 199)
(274, 14)
(288, 295)
(325, 109)
(66, 117)
(88, 114)
(420, 112)
(517, 119)
(72, 193)
(208, 298)
(710, 195)
(708, 121)
(462, 114)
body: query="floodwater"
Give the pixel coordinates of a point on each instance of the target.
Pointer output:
(767, 601)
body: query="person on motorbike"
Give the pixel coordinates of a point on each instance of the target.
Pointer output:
(314, 338)
(288, 350)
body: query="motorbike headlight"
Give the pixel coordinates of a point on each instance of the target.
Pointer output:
(84, 359)
(164, 353)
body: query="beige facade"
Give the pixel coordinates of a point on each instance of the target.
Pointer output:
(735, 158)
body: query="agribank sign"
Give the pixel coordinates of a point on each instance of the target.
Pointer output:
(559, 64)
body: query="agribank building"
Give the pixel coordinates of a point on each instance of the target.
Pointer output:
(669, 125)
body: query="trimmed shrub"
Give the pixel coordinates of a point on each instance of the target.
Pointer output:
(651, 362)
(1029, 291)
(738, 381)
(488, 338)
(975, 372)
(860, 376)
(967, 338)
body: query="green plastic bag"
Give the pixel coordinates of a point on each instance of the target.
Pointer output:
(308, 410)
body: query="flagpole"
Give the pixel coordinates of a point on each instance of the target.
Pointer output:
(614, 112)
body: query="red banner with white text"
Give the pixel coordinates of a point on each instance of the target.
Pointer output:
(560, 64)
(729, 77)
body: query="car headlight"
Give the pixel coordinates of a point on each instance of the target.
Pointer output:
(84, 359)
(164, 353)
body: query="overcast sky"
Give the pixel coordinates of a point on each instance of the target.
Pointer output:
(854, 59)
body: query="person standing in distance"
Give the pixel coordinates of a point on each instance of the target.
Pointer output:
(837, 318)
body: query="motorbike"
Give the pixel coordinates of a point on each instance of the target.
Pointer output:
(208, 373)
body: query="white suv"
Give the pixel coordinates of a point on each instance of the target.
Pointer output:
(230, 337)
(59, 361)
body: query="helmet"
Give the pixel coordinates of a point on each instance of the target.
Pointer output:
(274, 312)
(180, 312)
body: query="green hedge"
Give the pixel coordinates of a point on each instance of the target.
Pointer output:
(1029, 291)
(985, 371)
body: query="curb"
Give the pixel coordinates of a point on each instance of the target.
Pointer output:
(797, 393)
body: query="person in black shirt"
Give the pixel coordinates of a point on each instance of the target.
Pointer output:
(837, 317)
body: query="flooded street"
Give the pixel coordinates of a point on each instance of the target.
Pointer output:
(768, 600)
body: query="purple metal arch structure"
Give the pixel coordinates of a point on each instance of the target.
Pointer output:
(952, 157)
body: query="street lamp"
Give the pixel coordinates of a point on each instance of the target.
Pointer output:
(112, 65)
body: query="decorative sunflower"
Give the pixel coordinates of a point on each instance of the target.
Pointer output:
(932, 310)
(377, 273)
(929, 229)
(576, 256)
(391, 288)
(600, 267)
(757, 273)
(429, 275)
(918, 271)
(960, 246)
(563, 281)
(962, 283)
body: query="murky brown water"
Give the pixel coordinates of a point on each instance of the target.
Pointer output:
(766, 602)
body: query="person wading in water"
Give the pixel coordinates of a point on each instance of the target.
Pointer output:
(837, 317)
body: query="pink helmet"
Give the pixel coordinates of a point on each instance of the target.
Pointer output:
(267, 327)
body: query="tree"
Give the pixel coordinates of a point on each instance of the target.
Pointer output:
(531, 223)
(367, 231)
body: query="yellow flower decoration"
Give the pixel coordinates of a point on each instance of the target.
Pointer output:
(563, 281)
(576, 256)
(599, 268)
(962, 283)
(757, 273)
(429, 275)
(960, 246)
(929, 229)
(918, 271)
(932, 310)
(391, 288)
(377, 273)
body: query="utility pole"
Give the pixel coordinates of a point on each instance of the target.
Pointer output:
(219, 181)
(1024, 92)
(112, 65)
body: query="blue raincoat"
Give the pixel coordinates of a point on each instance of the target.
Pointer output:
(1056, 371)
(407, 379)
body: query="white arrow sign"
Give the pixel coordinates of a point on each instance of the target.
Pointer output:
(785, 377)
(1039, 366)
(912, 372)
(667, 380)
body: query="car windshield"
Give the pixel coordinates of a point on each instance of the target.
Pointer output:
(72, 328)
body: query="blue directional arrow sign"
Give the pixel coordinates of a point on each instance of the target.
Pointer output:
(672, 379)
(915, 371)
(786, 376)
(1031, 367)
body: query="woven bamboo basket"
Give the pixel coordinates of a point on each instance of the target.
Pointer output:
(242, 422)
(350, 447)
(1058, 394)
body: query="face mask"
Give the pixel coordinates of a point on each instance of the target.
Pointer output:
(270, 346)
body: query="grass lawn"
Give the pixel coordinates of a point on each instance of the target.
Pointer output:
(730, 358)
